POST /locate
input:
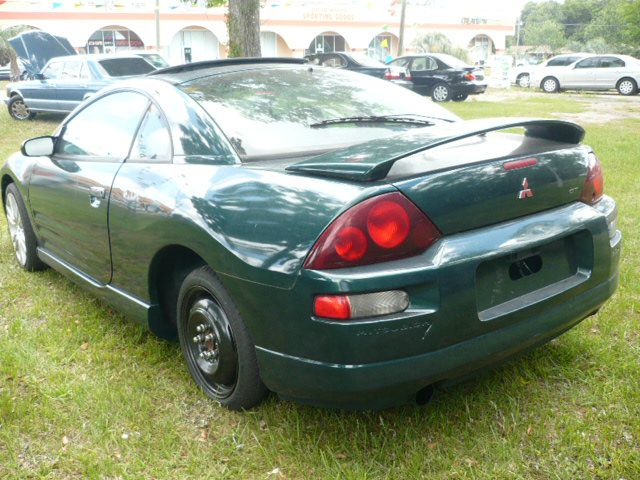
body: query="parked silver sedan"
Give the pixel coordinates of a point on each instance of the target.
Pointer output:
(595, 72)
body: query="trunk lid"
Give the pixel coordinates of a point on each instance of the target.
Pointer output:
(465, 175)
(510, 176)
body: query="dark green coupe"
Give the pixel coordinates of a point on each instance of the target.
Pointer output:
(318, 233)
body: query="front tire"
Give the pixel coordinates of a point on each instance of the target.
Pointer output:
(216, 344)
(18, 109)
(441, 93)
(627, 86)
(21, 232)
(550, 85)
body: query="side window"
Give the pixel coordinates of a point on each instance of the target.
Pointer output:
(611, 62)
(153, 143)
(53, 70)
(424, 63)
(560, 62)
(84, 71)
(105, 128)
(334, 61)
(588, 63)
(400, 62)
(71, 70)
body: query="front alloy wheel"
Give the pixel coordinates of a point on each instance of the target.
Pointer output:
(523, 80)
(16, 229)
(19, 110)
(23, 238)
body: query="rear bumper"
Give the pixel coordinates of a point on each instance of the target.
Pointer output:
(468, 88)
(395, 382)
(449, 331)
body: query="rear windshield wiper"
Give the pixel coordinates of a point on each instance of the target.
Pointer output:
(374, 119)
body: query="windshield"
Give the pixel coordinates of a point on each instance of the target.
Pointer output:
(365, 60)
(122, 67)
(453, 62)
(269, 111)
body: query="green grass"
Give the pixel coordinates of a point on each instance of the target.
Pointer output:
(86, 394)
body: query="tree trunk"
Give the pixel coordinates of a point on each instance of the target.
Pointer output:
(15, 69)
(243, 24)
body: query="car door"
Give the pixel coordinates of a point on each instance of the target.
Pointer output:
(581, 75)
(72, 85)
(424, 74)
(69, 192)
(41, 94)
(610, 70)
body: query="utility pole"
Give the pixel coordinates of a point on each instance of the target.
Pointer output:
(158, 25)
(401, 38)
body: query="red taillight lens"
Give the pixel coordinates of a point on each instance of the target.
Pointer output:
(332, 306)
(594, 184)
(382, 228)
(469, 76)
(388, 224)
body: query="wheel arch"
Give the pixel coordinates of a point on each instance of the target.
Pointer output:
(627, 77)
(4, 184)
(167, 270)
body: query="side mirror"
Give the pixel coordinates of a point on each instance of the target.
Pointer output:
(38, 147)
(39, 76)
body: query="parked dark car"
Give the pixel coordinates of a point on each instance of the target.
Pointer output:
(350, 250)
(443, 77)
(66, 81)
(358, 62)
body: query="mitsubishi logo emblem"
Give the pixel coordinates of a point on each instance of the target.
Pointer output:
(526, 192)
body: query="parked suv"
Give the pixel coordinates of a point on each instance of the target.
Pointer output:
(595, 72)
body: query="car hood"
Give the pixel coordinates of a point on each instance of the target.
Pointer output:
(35, 48)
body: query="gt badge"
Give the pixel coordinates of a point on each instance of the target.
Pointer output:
(526, 192)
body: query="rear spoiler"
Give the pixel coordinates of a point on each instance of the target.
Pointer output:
(372, 160)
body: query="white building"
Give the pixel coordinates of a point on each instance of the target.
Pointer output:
(288, 28)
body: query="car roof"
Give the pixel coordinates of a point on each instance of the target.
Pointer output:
(190, 71)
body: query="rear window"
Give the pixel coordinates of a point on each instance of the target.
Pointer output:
(452, 61)
(269, 111)
(122, 67)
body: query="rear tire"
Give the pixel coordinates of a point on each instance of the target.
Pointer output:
(550, 85)
(216, 344)
(21, 232)
(18, 109)
(441, 93)
(627, 87)
(523, 80)
(459, 98)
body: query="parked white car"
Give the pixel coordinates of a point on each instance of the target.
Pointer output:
(595, 72)
(528, 75)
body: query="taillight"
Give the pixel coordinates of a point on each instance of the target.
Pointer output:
(469, 76)
(382, 228)
(594, 184)
(388, 75)
(364, 305)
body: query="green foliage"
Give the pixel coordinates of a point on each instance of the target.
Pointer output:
(598, 26)
(438, 43)
(546, 32)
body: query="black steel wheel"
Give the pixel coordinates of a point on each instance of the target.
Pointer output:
(18, 109)
(216, 344)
